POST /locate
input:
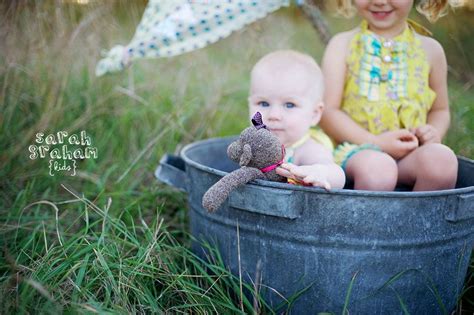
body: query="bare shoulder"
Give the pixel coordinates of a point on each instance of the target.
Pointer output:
(340, 41)
(433, 49)
(312, 152)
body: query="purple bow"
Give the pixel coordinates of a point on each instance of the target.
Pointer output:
(257, 121)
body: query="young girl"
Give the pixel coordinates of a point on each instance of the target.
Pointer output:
(386, 99)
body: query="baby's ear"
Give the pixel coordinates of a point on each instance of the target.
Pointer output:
(318, 112)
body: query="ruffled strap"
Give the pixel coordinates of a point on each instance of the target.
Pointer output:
(290, 151)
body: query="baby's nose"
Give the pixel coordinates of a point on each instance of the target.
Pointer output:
(274, 112)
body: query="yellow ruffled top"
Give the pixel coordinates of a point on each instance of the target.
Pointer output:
(387, 81)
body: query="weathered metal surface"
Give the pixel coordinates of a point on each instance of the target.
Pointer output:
(399, 249)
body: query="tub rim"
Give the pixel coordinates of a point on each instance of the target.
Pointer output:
(334, 191)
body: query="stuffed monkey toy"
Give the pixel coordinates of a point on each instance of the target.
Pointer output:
(258, 152)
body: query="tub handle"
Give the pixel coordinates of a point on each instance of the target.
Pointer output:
(270, 201)
(172, 171)
(459, 208)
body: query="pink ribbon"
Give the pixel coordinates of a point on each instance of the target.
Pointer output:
(274, 166)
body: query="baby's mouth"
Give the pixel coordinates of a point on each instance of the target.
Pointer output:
(276, 129)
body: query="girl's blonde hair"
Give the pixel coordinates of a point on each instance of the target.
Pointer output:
(431, 9)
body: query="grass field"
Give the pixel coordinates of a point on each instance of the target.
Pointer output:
(111, 239)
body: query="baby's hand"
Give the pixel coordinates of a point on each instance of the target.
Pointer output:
(397, 143)
(315, 175)
(427, 134)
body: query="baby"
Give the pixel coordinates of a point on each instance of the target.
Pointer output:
(286, 88)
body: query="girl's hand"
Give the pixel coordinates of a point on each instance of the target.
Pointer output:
(315, 175)
(397, 143)
(427, 134)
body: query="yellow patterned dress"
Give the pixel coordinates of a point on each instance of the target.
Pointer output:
(387, 85)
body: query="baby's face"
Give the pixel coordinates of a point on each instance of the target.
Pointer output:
(288, 104)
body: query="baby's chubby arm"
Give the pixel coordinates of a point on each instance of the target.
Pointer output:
(314, 165)
(320, 175)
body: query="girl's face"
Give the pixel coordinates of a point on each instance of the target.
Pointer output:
(386, 18)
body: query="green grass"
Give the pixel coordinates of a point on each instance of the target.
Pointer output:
(75, 257)
(112, 239)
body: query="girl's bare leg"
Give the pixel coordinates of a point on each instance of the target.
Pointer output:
(372, 170)
(432, 166)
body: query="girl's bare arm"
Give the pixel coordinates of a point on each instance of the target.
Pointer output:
(337, 124)
(438, 116)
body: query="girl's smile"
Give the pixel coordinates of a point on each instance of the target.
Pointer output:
(381, 15)
(386, 18)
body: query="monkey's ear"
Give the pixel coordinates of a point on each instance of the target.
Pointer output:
(234, 151)
(246, 156)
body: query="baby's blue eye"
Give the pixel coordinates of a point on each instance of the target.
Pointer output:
(263, 104)
(290, 105)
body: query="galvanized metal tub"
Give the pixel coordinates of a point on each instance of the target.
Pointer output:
(368, 252)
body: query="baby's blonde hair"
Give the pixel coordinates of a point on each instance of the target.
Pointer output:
(293, 58)
(431, 9)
